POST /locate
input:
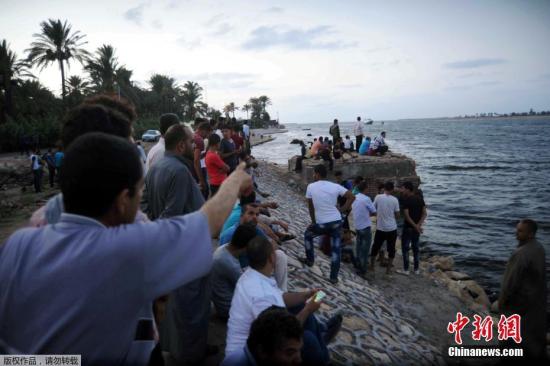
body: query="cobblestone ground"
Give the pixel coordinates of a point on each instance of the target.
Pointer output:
(374, 331)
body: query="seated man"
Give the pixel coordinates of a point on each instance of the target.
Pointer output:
(257, 291)
(275, 339)
(249, 214)
(365, 146)
(105, 268)
(379, 146)
(226, 268)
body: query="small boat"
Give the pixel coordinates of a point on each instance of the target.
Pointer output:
(306, 129)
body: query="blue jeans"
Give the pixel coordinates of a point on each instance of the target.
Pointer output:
(314, 349)
(362, 247)
(410, 236)
(330, 228)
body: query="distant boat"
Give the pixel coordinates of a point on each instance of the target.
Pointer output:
(306, 129)
(369, 122)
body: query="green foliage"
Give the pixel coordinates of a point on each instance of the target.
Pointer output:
(144, 124)
(44, 131)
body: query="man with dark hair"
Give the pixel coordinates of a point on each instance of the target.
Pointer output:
(257, 291)
(362, 209)
(49, 158)
(108, 268)
(358, 131)
(170, 190)
(387, 213)
(216, 168)
(36, 168)
(335, 131)
(379, 144)
(157, 152)
(228, 150)
(226, 268)
(203, 130)
(275, 340)
(414, 212)
(523, 291)
(118, 104)
(79, 121)
(322, 197)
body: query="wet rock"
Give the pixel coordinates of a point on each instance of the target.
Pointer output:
(442, 263)
(457, 276)
(477, 293)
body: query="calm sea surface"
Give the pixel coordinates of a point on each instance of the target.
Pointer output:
(478, 176)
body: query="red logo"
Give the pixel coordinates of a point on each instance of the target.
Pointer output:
(508, 327)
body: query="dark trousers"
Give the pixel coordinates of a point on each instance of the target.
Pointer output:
(362, 247)
(408, 237)
(330, 228)
(37, 180)
(51, 175)
(298, 167)
(358, 142)
(314, 349)
(330, 161)
(206, 191)
(384, 236)
(381, 149)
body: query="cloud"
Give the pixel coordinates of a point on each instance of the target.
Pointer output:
(351, 86)
(299, 39)
(223, 79)
(135, 14)
(377, 49)
(475, 63)
(275, 9)
(222, 29)
(472, 86)
(189, 44)
(215, 19)
(157, 24)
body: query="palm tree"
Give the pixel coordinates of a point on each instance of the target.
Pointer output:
(246, 108)
(11, 70)
(192, 93)
(230, 108)
(78, 86)
(264, 101)
(103, 68)
(256, 107)
(57, 43)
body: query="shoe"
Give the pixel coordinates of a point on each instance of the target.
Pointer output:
(333, 327)
(288, 237)
(417, 272)
(334, 281)
(306, 261)
(405, 273)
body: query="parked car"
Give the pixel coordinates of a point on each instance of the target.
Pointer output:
(151, 135)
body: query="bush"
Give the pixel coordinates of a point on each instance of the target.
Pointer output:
(44, 132)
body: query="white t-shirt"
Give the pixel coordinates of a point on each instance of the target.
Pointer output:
(386, 206)
(155, 154)
(378, 141)
(35, 159)
(246, 131)
(253, 294)
(347, 143)
(324, 195)
(358, 128)
(361, 209)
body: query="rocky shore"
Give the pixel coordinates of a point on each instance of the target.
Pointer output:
(389, 319)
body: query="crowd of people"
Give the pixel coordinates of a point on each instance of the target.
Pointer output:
(329, 150)
(123, 265)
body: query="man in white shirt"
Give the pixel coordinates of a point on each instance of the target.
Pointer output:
(347, 144)
(362, 209)
(256, 291)
(358, 132)
(157, 152)
(387, 212)
(322, 197)
(379, 145)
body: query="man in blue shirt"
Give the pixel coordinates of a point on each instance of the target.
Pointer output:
(81, 284)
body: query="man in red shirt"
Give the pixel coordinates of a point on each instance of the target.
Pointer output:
(215, 166)
(199, 152)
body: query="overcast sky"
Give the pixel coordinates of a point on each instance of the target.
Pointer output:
(318, 60)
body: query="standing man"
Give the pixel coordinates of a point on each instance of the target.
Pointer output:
(322, 197)
(36, 167)
(414, 211)
(523, 290)
(362, 209)
(157, 152)
(50, 162)
(335, 131)
(59, 155)
(199, 153)
(387, 212)
(358, 132)
(228, 150)
(246, 133)
(170, 190)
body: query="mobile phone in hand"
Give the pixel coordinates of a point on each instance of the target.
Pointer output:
(320, 295)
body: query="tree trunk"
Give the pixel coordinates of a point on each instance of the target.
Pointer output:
(63, 91)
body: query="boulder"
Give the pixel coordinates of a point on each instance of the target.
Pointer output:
(457, 276)
(442, 263)
(477, 293)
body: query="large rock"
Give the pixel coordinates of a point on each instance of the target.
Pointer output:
(477, 293)
(442, 263)
(457, 276)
